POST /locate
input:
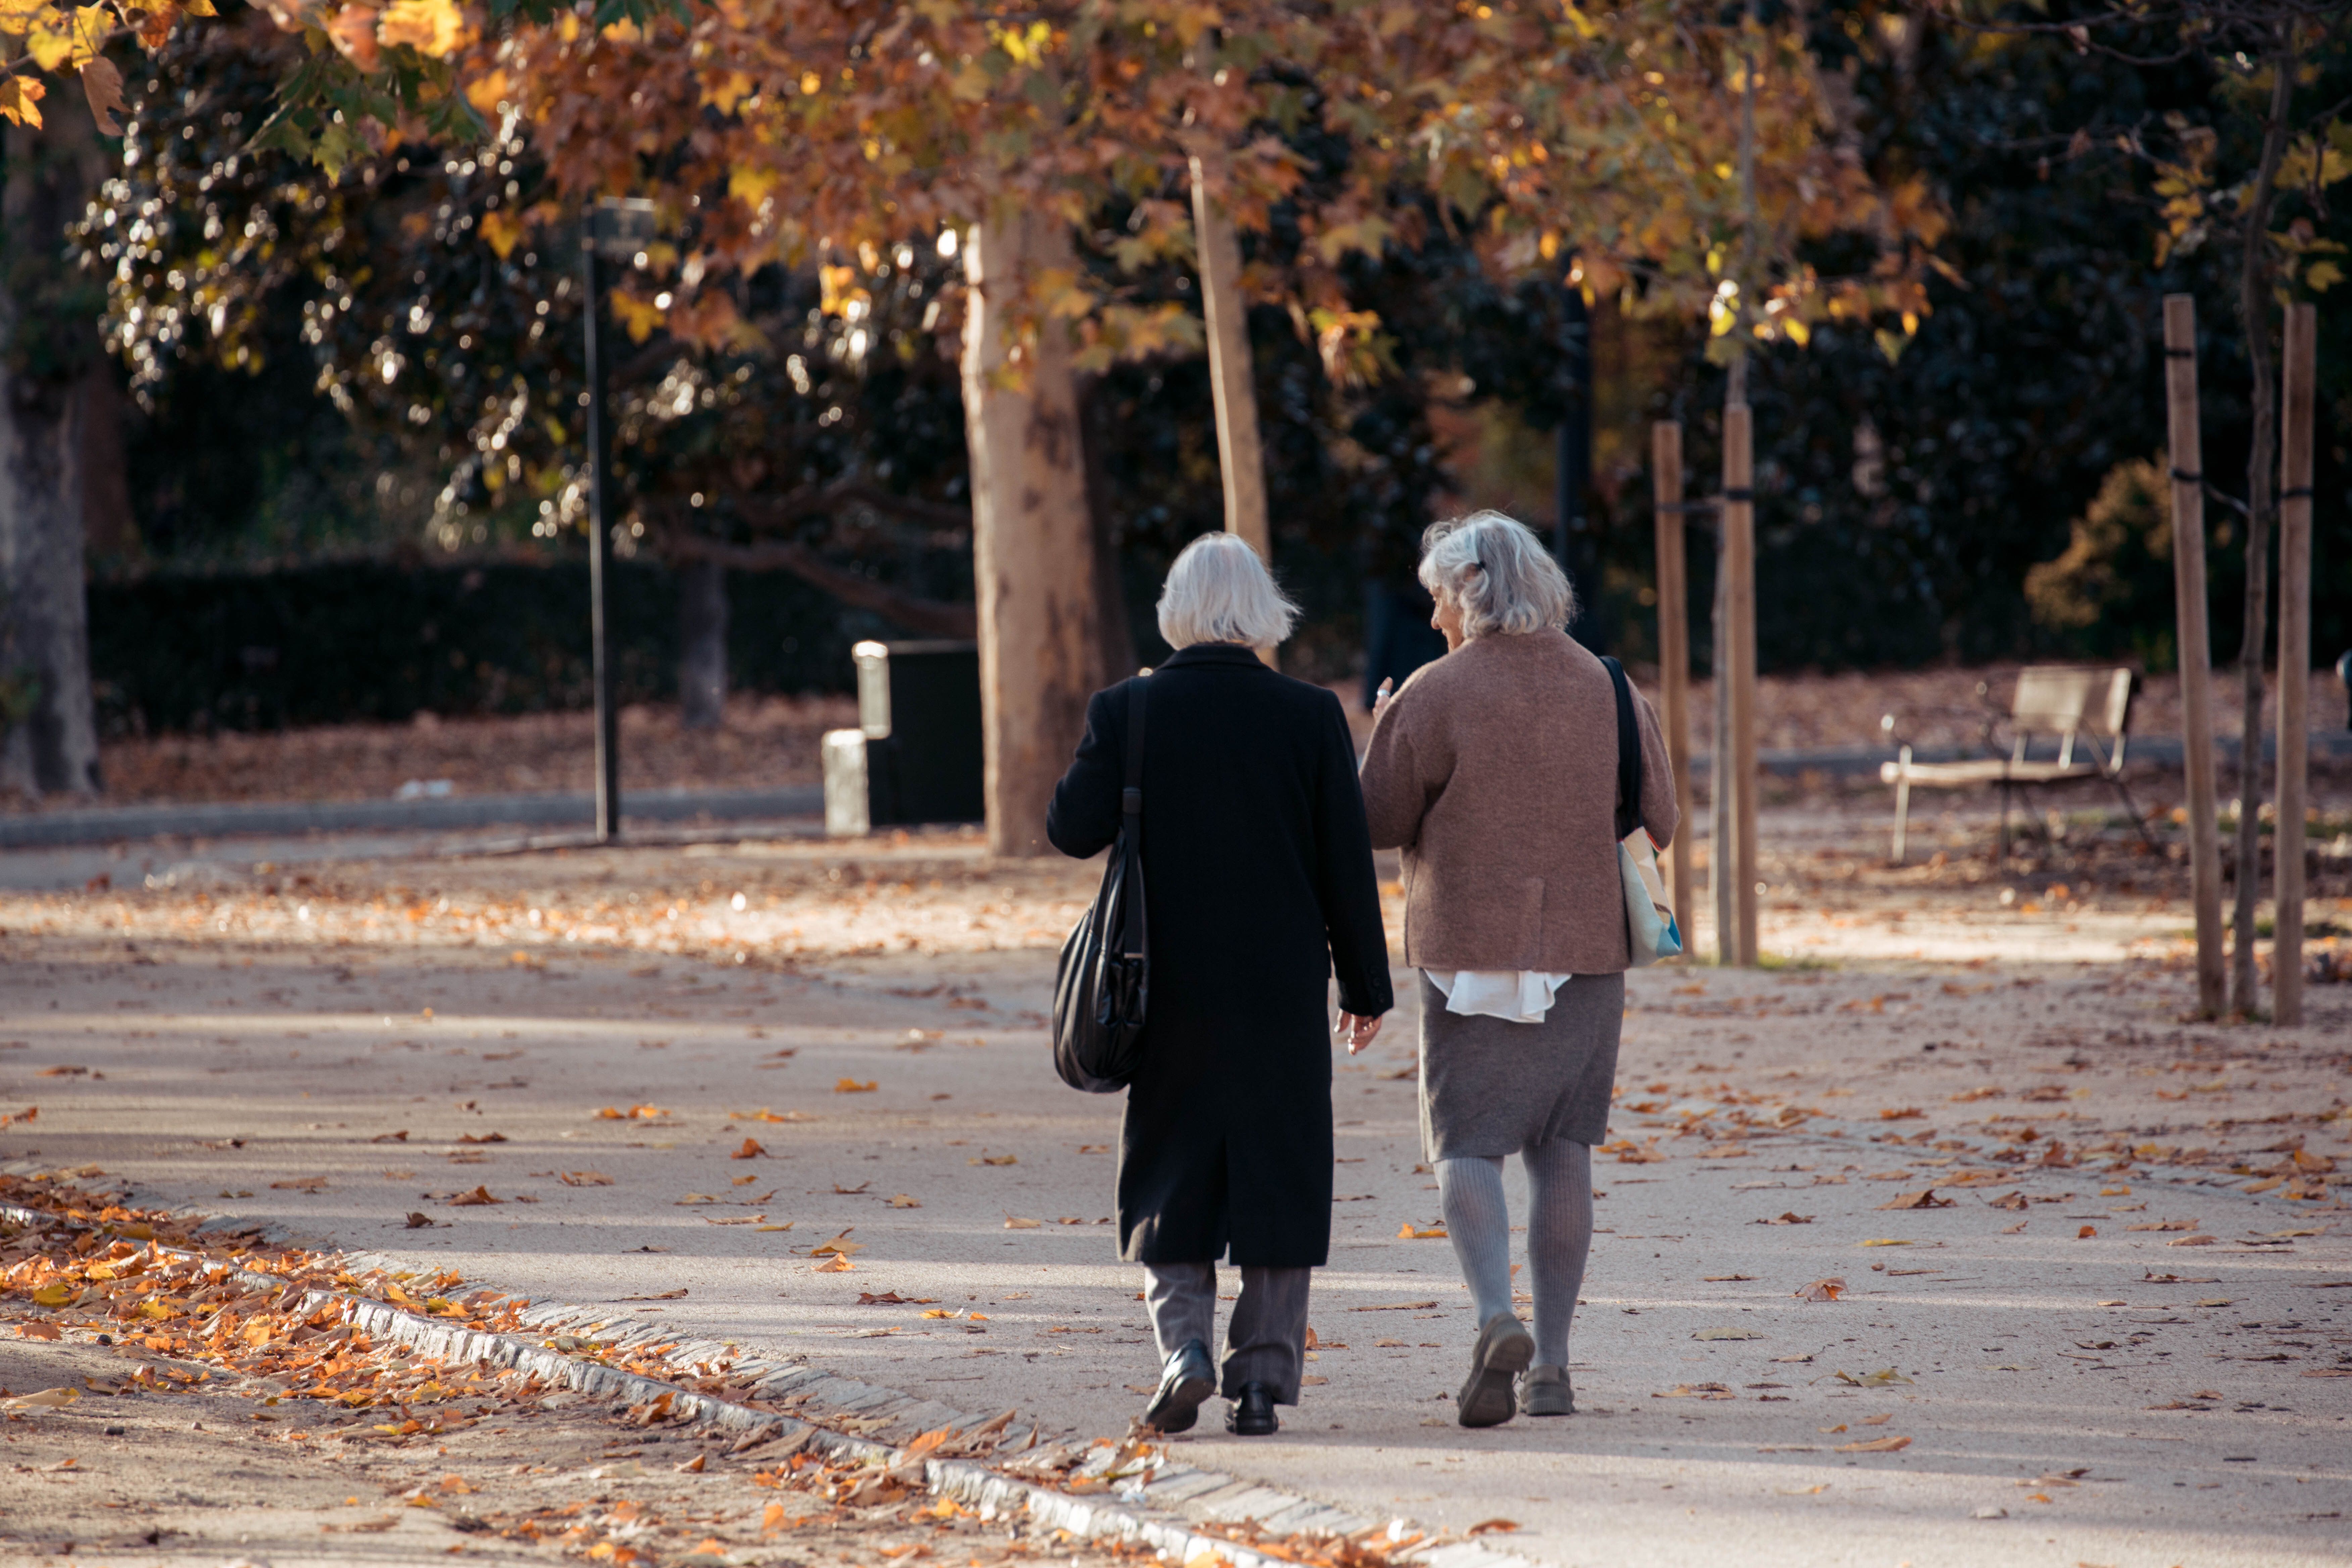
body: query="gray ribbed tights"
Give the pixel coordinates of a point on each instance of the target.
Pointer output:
(1559, 1234)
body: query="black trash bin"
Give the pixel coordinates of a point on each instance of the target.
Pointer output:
(918, 708)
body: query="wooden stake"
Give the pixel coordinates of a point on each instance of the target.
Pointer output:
(2187, 462)
(1231, 387)
(1033, 540)
(1674, 652)
(2298, 375)
(1737, 760)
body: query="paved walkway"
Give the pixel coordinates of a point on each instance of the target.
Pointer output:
(2074, 1386)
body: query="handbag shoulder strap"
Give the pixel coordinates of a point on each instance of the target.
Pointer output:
(1629, 751)
(1130, 803)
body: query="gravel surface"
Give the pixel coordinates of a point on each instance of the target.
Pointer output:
(857, 1052)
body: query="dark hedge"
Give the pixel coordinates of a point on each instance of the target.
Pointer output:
(380, 640)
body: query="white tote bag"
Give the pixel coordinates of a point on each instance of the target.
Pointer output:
(1650, 928)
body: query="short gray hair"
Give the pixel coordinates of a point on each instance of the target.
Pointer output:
(1497, 572)
(1219, 591)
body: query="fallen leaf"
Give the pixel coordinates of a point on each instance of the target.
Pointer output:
(301, 1185)
(1726, 1279)
(850, 1192)
(1788, 1219)
(840, 1246)
(1884, 1241)
(474, 1199)
(1880, 1419)
(1396, 1306)
(1407, 1233)
(2086, 1232)
(1923, 1199)
(839, 1264)
(584, 1179)
(2192, 1241)
(1828, 1289)
(1492, 1526)
(902, 1201)
(677, 1294)
(1695, 1391)
(37, 1329)
(418, 1222)
(46, 1399)
(996, 1160)
(1012, 1224)
(749, 1150)
(851, 1086)
(1875, 1445)
(1726, 1334)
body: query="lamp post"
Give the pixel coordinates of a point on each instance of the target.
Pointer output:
(613, 230)
(1573, 540)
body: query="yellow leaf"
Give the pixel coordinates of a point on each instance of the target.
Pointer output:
(1407, 1233)
(1011, 1224)
(16, 15)
(503, 230)
(18, 96)
(431, 26)
(53, 1295)
(51, 44)
(851, 1086)
(486, 93)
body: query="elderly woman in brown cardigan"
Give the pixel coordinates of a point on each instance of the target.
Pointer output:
(1495, 769)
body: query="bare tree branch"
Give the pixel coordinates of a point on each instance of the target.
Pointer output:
(816, 501)
(935, 617)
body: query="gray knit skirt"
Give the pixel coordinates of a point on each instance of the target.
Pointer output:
(1490, 1086)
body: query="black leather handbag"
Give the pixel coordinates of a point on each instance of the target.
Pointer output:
(1104, 980)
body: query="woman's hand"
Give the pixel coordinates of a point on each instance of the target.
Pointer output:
(1360, 1032)
(1381, 697)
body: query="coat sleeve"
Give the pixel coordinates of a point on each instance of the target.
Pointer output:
(1346, 883)
(1396, 795)
(1083, 817)
(1660, 812)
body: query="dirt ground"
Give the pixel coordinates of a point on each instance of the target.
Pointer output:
(771, 740)
(327, 1050)
(223, 1470)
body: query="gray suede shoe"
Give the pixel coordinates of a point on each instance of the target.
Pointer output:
(1547, 1392)
(1504, 1349)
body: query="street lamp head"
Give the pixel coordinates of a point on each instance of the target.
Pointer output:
(618, 228)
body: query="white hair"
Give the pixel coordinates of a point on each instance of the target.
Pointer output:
(1498, 573)
(1219, 591)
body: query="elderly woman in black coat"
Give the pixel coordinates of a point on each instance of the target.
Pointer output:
(1259, 883)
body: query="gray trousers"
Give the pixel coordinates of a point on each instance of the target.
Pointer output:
(1265, 1338)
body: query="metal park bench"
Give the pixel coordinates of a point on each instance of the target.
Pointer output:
(2084, 710)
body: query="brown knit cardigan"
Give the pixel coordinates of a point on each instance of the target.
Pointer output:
(1495, 769)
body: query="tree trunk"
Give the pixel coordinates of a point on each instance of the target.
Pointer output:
(2253, 315)
(702, 644)
(48, 732)
(1033, 541)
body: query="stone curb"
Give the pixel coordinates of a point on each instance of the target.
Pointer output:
(1154, 1513)
(108, 824)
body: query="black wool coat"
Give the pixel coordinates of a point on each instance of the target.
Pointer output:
(1258, 884)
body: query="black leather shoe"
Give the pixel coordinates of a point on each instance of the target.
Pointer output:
(1185, 1384)
(1252, 1414)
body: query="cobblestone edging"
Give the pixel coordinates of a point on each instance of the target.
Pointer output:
(1163, 1513)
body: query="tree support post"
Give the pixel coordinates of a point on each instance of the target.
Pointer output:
(2188, 465)
(2300, 378)
(1734, 753)
(1033, 542)
(1674, 649)
(1233, 387)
